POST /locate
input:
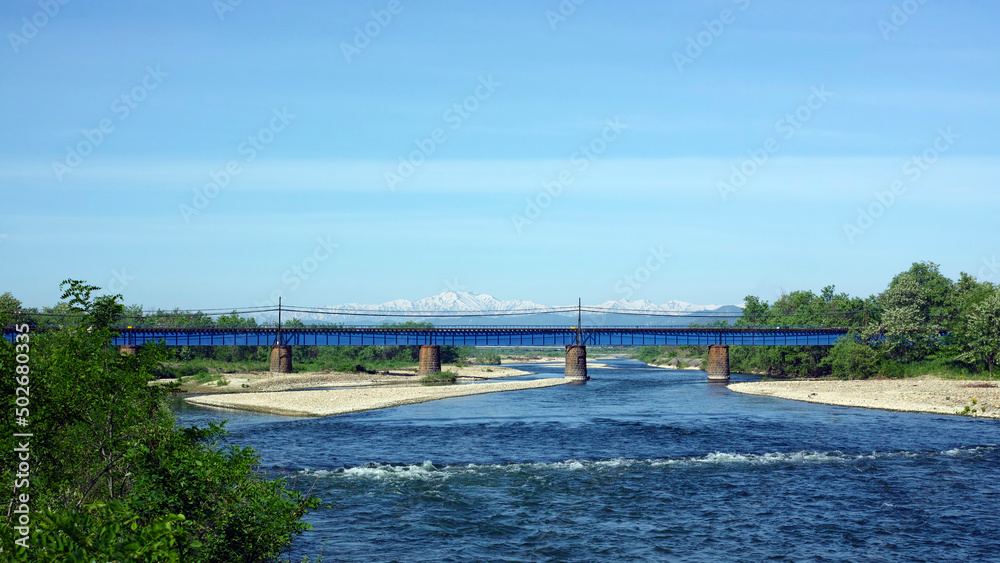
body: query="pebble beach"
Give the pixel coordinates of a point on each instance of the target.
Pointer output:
(980, 399)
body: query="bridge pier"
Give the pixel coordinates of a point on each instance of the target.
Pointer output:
(128, 349)
(718, 363)
(430, 360)
(576, 363)
(281, 358)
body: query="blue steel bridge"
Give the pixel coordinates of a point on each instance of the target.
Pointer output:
(482, 336)
(574, 338)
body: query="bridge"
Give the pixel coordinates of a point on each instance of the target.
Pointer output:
(574, 339)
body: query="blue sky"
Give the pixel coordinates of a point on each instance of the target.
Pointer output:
(532, 150)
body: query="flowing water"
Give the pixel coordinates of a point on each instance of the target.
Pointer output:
(638, 464)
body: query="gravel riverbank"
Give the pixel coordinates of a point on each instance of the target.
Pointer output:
(979, 399)
(328, 402)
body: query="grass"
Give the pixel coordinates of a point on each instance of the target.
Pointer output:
(940, 368)
(443, 377)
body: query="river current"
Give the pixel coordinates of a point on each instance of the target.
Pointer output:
(639, 464)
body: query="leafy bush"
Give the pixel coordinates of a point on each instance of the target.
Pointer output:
(439, 378)
(112, 479)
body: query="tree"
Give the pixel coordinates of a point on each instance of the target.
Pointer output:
(9, 306)
(111, 477)
(755, 312)
(981, 339)
(916, 306)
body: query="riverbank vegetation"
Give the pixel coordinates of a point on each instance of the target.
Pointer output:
(922, 324)
(659, 355)
(108, 476)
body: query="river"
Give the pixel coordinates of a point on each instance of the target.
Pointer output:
(638, 464)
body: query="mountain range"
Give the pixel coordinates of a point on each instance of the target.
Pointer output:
(467, 302)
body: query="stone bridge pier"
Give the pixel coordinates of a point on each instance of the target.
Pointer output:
(430, 360)
(281, 358)
(576, 363)
(128, 349)
(718, 363)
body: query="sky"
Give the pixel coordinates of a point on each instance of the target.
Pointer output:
(219, 154)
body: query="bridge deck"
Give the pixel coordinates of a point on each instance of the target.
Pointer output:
(481, 336)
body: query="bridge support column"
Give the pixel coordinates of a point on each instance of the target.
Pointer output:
(718, 363)
(128, 349)
(430, 360)
(281, 358)
(576, 363)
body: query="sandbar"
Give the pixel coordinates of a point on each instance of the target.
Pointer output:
(326, 402)
(980, 399)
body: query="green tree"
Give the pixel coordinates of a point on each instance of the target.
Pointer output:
(111, 477)
(9, 307)
(981, 339)
(916, 307)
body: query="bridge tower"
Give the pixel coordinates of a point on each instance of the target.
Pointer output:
(281, 354)
(718, 362)
(576, 354)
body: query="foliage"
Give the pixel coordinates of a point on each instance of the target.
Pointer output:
(486, 358)
(107, 532)
(440, 377)
(647, 354)
(111, 477)
(981, 337)
(852, 358)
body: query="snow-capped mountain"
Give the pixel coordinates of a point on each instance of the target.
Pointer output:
(449, 301)
(463, 301)
(671, 306)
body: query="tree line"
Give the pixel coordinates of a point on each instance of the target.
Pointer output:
(922, 321)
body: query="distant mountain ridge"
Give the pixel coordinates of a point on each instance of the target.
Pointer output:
(468, 302)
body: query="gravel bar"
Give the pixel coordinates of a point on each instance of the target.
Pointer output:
(340, 401)
(978, 399)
